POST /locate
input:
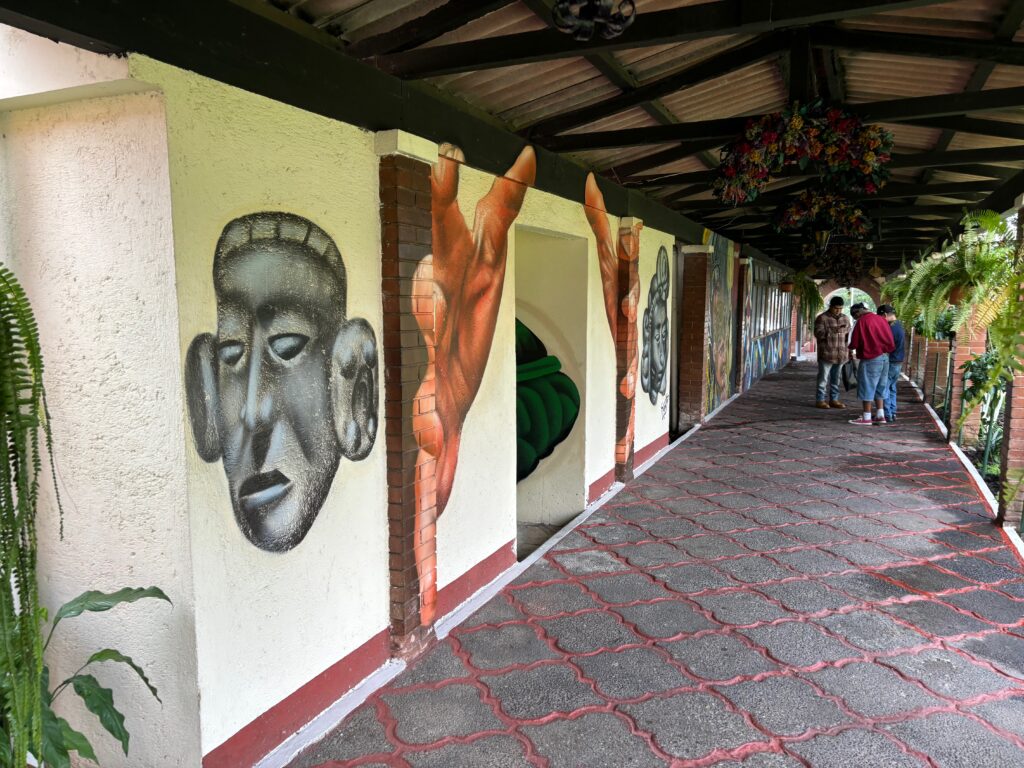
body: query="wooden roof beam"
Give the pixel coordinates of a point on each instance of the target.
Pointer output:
(430, 26)
(930, 46)
(695, 22)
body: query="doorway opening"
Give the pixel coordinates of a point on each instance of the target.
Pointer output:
(551, 365)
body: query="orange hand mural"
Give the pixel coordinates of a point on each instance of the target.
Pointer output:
(619, 261)
(464, 276)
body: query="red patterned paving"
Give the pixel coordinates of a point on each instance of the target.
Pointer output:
(783, 589)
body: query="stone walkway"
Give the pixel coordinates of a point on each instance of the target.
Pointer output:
(782, 589)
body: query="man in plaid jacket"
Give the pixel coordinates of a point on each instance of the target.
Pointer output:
(831, 329)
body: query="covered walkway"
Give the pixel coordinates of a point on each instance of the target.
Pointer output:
(781, 589)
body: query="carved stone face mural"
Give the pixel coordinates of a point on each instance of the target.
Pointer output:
(654, 364)
(287, 385)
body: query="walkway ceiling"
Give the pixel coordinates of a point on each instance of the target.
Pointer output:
(651, 108)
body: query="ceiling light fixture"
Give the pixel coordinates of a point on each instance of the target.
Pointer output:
(581, 18)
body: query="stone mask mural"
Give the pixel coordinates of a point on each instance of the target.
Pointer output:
(654, 363)
(288, 385)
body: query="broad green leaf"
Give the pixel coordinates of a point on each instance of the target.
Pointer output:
(100, 701)
(103, 601)
(110, 654)
(60, 739)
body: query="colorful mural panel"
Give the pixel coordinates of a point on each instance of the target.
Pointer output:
(466, 275)
(547, 402)
(654, 364)
(620, 279)
(719, 385)
(287, 386)
(766, 323)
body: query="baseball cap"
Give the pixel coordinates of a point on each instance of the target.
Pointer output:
(886, 309)
(837, 301)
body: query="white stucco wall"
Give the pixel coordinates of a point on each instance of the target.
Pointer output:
(551, 299)
(36, 70)
(652, 419)
(268, 623)
(85, 223)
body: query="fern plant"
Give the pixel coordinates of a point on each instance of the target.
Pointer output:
(23, 424)
(811, 303)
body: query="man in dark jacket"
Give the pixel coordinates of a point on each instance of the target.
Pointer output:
(871, 342)
(896, 358)
(831, 329)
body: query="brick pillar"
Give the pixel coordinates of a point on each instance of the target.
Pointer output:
(794, 328)
(969, 342)
(626, 345)
(405, 243)
(1011, 464)
(934, 368)
(908, 365)
(692, 351)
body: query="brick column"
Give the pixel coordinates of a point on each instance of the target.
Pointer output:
(405, 167)
(626, 345)
(934, 368)
(908, 365)
(1011, 464)
(969, 342)
(794, 328)
(692, 351)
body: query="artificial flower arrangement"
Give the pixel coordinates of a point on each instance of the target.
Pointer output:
(816, 209)
(845, 262)
(845, 153)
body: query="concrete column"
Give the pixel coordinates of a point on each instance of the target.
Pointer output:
(407, 292)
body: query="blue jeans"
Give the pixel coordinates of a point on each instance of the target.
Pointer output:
(890, 389)
(828, 377)
(872, 378)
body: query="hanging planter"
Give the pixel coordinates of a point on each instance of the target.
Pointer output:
(845, 263)
(786, 286)
(956, 294)
(832, 143)
(826, 213)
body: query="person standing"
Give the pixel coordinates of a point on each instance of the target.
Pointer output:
(871, 342)
(831, 329)
(896, 358)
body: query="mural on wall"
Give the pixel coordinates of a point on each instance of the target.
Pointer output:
(766, 324)
(547, 402)
(287, 385)
(618, 260)
(465, 276)
(722, 325)
(654, 365)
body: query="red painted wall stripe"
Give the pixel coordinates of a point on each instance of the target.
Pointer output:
(262, 735)
(279, 722)
(480, 575)
(601, 485)
(648, 451)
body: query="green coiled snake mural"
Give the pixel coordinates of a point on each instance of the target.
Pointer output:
(547, 402)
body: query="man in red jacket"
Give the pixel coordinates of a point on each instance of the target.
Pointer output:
(871, 342)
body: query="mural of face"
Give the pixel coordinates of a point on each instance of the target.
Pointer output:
(654, 365)
(287, 385)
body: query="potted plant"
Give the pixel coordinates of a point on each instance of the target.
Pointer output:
(786, 285)
(28, 723)
(805, 290)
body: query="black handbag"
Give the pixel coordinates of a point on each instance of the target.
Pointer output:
(849, 374)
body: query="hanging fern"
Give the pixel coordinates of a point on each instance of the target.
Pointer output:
(23, 421)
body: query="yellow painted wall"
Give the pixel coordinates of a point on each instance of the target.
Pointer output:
(267, 623)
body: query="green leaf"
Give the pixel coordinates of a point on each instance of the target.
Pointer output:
(60, 739)
(110, 654)
(100, 701)
(103, 601)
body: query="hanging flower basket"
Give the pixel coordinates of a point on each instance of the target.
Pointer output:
(836, 145)
(844, 262)
(786, 286)
(823, 211)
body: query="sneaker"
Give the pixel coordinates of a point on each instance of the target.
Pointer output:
(821, 404)
(890, 419)
(862, 422)
(835, 404)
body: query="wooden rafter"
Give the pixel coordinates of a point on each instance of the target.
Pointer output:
(713, 19)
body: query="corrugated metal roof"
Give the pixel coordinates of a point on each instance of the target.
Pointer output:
(525, 94)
